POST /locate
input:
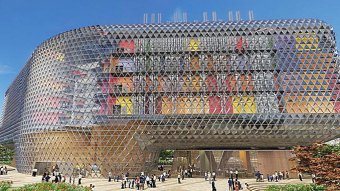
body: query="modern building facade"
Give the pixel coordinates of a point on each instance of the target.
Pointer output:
(113, 96)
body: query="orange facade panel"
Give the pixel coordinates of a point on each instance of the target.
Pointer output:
(195, 63)
(315, 61)
(120, 84)
(241, 82)
(321, 107)
(189, 105)
(309, 104)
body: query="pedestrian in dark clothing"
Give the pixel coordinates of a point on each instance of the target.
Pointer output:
(230, 184)
(133, 183)
(59, 177)
(213, 186)
(179, 178)
(110, 176)
(300, 176)
(79, 179)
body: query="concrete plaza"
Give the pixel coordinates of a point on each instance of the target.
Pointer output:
(188, 184)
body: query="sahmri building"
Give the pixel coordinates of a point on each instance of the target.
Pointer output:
(111, 97)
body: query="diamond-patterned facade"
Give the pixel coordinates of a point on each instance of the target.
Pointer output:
(116, 95)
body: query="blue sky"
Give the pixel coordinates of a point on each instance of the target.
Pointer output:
(25, 24)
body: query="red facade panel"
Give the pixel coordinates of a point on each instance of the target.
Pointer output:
(127, 46)
(220, 105)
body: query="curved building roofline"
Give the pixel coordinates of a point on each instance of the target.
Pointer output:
(193, 25)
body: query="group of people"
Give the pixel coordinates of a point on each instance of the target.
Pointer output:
(233, 181)
(57, 177)
(208, 176)
(234, 184)
(92, 187)
(137, 182)
(182, 173)
(278, 175)
(3, 170)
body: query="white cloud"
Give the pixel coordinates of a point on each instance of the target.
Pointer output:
(5, 69)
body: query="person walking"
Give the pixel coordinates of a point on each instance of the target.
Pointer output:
(236, 174)
(313, 178)
(59, 177)
(147, 179)
(125, 180)
(137, 182)
(300, 176)
(231, 174)
(79, 179)
(287, 174)
(179, 178)
(213, 186)
(230, 184)
(276, 176)
(182, 174)
(237, 186)
(209, 177)
(142, 182)
(154, 181)
(110, 176)
(257, 175)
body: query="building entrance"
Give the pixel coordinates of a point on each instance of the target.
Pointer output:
(225, 162)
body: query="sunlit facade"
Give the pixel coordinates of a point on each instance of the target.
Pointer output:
(116, 95)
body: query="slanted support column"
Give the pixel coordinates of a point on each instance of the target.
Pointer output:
(225, 157)
(189, 157)
(245, 158)
(212, 163)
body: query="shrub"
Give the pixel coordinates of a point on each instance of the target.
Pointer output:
(296, 187)
(46, 186)
(6, 154)
(5, 185)
(165, 162)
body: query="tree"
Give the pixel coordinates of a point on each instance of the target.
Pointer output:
(166, 157)
(322, 160)
(166, 154)
(6, 155)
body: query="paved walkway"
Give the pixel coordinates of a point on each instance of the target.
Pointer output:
(188, 184)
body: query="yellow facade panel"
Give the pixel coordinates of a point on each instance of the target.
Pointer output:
(126, 105)
(244, 104)
(307, 42)
(194, 44)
